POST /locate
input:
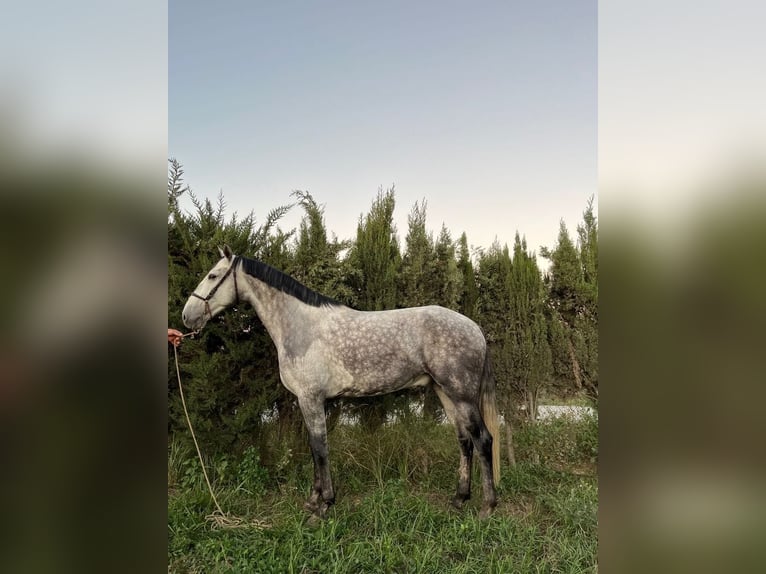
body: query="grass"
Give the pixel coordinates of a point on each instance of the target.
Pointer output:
(393, 512)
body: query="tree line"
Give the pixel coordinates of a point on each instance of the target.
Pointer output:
(542, 328)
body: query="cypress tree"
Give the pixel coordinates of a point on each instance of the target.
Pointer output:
(469, 294)
(316, 261)
(587, 320)
(530, 352)
(416, 261)
(375, 255)
(446, 279)
(494, 307)
(572, 283)
(493, 282)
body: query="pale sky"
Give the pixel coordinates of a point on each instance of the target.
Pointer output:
(681, 92)
(487, 110)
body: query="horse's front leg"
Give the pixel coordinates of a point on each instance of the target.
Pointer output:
(322, 493)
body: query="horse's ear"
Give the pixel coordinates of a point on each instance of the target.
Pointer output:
(226, 252)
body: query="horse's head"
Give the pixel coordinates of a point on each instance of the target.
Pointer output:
(216, 291)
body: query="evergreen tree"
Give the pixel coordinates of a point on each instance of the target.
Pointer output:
(312, 234)
(493, 285)
(566, 276)
(316, 261)
(235, 378)
(446, 278)
(416, 261)
(587, 320)
(587, 233)
(572, 283)
(469, 294)
(494, 306)
(493, 281)
(375, 255)
(564, 283)
(176, 186)
(530, 352)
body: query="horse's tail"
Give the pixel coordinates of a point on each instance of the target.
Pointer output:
(488, 408)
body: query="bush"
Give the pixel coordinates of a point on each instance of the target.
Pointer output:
(250, 474)
(559, 442)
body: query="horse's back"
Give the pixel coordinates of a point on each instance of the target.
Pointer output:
(424, 339)
(423, 325)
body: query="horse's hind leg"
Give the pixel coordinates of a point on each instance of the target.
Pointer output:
(468, 417)
(466, 451)
(464, 472)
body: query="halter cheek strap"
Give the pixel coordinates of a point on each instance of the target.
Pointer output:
(229, 271)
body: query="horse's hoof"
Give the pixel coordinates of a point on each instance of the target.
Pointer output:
(314, 520)
(318, 511)
(310, 506)
(485, 512)
(322, 509)
(457, 503)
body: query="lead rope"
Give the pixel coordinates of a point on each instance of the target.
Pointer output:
(219, 518)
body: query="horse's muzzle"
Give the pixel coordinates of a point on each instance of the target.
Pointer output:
(194, 323)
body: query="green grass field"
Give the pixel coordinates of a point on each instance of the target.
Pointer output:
(392, 512)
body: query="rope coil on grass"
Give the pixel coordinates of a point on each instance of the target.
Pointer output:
(219, 518)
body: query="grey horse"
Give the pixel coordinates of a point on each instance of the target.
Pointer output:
(329, 350)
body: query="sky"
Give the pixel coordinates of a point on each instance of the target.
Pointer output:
(681, 114)
(487, 110)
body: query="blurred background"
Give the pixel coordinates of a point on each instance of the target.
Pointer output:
(682, 192)
(83, 167)
(83, 132)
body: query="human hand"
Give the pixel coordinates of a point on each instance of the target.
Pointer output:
(174, 337)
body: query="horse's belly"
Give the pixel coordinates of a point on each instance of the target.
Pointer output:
(373, 386)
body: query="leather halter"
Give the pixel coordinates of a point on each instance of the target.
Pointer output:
(218, 285)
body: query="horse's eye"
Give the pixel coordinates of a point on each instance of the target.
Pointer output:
(212, 276)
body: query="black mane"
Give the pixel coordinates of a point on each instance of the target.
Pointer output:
(285, 283)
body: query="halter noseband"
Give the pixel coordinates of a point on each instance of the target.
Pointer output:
(220, 282)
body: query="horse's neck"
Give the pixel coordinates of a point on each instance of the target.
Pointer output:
(274, 308)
